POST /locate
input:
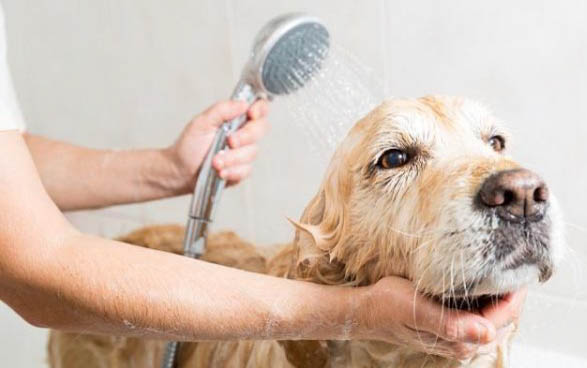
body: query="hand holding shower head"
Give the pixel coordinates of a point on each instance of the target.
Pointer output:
(287, 52)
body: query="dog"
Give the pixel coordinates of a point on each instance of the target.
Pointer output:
(419, 188)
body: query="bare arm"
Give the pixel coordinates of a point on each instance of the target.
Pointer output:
(56, 277)
(78, 177)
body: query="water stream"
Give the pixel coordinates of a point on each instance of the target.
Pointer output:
(336, 96)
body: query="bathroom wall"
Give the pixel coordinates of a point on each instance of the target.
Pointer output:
(130, 74)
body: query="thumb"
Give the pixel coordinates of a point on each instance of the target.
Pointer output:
(224, 111)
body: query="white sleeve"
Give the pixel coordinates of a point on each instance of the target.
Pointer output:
(10, 114)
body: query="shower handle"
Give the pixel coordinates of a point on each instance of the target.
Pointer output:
(209, 185)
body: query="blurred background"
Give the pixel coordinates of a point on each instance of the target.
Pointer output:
(131, 74)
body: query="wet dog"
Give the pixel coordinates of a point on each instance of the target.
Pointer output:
(419, 188)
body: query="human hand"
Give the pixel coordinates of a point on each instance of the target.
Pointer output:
(233, 165)
(392, 310)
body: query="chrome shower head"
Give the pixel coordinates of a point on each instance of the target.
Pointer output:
(287, 52)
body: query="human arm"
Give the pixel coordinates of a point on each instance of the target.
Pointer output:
(78, 177)
(56, 277)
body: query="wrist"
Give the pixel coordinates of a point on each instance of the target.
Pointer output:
(176, 176)
(357, 313)
(328, 313)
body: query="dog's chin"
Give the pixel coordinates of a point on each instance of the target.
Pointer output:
(492, 289)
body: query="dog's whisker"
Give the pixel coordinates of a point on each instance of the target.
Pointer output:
(575, 226)
(464, 279)
(418, 234)
(422, 245)
(414, 314)
(416, 293)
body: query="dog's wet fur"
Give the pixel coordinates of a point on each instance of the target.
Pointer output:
(400, 197)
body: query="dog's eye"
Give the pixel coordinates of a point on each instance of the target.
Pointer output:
(393, 158)
(497, 142)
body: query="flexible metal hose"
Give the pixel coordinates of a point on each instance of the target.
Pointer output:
(170, 353)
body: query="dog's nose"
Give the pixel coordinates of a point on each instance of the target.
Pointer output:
(517, 195)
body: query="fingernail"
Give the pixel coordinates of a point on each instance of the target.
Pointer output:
(235, 141)
(219, 163)
(223, 174)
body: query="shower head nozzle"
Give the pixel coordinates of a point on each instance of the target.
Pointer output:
(287, 52)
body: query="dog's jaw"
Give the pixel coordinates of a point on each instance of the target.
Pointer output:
(486, 257)
(498, 258)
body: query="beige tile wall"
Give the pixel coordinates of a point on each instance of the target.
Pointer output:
(130, 74)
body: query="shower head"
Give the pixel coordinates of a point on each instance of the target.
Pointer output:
(287, 52)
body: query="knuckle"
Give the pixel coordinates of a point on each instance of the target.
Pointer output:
(451, 330)
(231, 158)
(464, 352)
(233, 175)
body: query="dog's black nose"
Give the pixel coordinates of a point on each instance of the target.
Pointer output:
(517, 195)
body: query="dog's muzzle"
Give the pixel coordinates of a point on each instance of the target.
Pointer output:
(520, 199)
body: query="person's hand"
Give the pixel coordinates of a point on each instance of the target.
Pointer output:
(233, 165)
(391, 310)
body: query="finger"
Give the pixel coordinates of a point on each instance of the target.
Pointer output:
(223, 111)
(463, 352)
(451, 324)
(258, 110)
(235, 157)
(235, 174)
(250, 133)
(430, 344)
(506, 310)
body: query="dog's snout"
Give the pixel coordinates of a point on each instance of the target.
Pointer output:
(517, 195)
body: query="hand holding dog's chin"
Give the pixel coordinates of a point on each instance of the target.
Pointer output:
(391, 310)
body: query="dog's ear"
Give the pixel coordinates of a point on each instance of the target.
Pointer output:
(321, 228)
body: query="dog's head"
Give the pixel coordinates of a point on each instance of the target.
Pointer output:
(424, 189)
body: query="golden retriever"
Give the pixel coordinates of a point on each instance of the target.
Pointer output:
(419, 188)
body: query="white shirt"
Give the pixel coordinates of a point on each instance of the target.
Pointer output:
(10, 114)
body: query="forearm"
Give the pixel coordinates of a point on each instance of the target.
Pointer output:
(160, 295)
(78, 178)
